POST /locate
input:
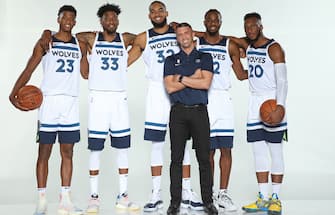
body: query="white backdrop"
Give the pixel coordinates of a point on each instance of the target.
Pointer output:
(305, 29)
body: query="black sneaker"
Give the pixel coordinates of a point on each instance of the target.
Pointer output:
(172, 210)
(210, 209)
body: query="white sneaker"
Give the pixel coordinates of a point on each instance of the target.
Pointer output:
(123, 203)
(155, 203)
(191, 200)
(93, 205)
(224, 201)
(215, 197)
(41, 207)
(66, 207)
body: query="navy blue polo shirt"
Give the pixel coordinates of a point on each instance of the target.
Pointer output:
(186, 65)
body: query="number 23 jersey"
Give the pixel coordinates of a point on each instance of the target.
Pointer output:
(61, 68)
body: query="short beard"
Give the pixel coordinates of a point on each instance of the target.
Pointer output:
(159, 25)
(254, 40)
(110, 32)
(212, 33)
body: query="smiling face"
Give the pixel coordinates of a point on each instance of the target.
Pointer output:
(185, 37)
(212, 23)
(158, 15)
(66, 21)
(109, 22)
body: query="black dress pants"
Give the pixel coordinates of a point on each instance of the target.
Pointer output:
(185, 122)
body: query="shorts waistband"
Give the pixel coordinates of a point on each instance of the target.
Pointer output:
(188, 106)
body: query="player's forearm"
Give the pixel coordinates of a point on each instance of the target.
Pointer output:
(201, 83)
(173, 83)
(133, 54)
(282, 84)
(240, 72)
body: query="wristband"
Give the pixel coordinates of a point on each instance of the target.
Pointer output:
(180, 78)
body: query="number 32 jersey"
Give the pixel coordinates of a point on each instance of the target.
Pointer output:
(157, 49)
(61, 68)
(108, 64)
(261, 69)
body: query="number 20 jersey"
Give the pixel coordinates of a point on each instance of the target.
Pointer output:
(108, 64)
(158, 47)
(61, 68)
(261, 69)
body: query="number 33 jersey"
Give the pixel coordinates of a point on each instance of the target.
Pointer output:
(61, 68)
(261, 69)
(108, 64)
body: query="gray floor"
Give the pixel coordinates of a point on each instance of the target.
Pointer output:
(302, 193)
(291, 207)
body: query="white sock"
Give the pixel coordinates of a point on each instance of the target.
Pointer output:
(276, 188)
(156, 183)
(65, 189)
(41, 192)
(94, 184)
(223, 191)
(264, 190)
(123, 180)
(186, 184)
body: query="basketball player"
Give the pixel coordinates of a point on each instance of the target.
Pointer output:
(156, 44)
(267, 80)
(108, 107)
(62, 63)
(225, 55)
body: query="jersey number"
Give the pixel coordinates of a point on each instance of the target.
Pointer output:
(65, 66)
(110, 63)
(161, 56)
(216, 67)
(256, 70)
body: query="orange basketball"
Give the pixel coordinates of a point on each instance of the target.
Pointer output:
(266, 108)
(30, 97)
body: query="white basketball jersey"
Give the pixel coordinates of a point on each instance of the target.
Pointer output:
(61, 68)
(108, 64)
(221, 62)
(261, 69)
(158, 47)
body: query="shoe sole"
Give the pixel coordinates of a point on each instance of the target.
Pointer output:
(274, 213)
(187, 206)
(159, 206)
(254, 210)
(226, 209)
(64, 212)
(40, 213)
(124, 208)
(92, 211)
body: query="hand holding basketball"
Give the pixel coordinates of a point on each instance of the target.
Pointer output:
(271, 113)
(28, 97)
